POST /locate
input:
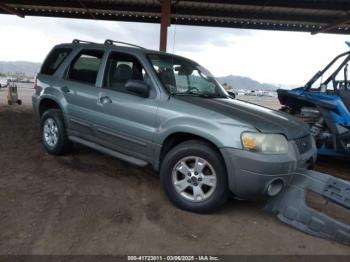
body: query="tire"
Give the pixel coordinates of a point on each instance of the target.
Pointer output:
(9, 102)
(19, 102)
(53, 133)
(173, 171)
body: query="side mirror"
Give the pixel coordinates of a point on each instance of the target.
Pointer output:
(137, 87)
(232, 94)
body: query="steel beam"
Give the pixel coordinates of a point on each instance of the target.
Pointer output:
(341, 21)
(193, 14)
(106, 8)
(296, 4)
(10, 10)
(339, 5)
(86, 9)
(164, 24)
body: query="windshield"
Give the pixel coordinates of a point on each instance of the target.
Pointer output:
(184, 77)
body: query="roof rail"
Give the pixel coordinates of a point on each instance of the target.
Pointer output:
(111, 42)
(77, 41)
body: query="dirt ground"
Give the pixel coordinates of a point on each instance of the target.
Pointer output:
(89, 203)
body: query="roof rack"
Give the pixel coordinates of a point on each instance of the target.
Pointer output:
(77, 41)
(111, 42)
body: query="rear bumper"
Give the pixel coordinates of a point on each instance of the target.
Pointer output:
(249, 173)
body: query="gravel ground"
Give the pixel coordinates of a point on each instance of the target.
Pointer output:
(89, 203)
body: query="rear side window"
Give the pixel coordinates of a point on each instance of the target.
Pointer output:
(84, 68)
(54, 60)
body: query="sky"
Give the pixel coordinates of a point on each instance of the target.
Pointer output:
(281, 58)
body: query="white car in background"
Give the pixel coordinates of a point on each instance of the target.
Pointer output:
(4, 82)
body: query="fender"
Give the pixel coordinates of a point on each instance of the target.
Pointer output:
(209, 131)
(54, 94)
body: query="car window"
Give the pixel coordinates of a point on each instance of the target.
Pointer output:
(120, 69)
(181, 76)
(84, 68)
(54, 60)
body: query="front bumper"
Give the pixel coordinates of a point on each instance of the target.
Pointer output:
(249, 173)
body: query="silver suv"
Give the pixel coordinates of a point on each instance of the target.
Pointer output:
(153, 108)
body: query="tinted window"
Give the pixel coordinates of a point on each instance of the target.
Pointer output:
(85, 66)
(54, 60)
(122, 68)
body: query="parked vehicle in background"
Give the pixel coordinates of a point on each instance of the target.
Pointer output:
(152, 108)
(4, 82)
(324, 104)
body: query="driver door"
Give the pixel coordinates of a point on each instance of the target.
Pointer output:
(128, 121)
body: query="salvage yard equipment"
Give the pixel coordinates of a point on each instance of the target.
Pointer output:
(12, 94)
(324, 104)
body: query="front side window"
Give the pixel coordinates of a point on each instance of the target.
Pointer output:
(184, 77)
(120, 69)
(54, 60)
(85, 67)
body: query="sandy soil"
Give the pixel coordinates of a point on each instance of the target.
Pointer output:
(89, 203)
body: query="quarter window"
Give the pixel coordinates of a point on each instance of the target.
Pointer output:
(85, 66)
(54, 60)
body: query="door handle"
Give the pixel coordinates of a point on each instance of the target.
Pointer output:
(65, 89)
(104, 100)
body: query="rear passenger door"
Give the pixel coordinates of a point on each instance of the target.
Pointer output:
(128, 120)
(81, 93)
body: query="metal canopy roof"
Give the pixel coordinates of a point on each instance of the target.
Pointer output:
(313, 16)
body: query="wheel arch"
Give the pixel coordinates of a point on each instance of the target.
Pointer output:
(48, 103)
(175, 139)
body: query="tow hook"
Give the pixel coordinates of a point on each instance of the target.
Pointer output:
(291, 206)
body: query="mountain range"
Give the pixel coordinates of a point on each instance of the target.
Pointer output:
(30, 69)
(246, 83)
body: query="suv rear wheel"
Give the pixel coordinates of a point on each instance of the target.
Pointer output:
(53, 132)
(194, 177)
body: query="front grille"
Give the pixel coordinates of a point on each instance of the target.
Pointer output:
(304, 144)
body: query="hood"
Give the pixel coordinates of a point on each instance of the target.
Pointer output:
(263, 119)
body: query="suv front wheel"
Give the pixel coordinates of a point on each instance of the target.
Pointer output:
(53, 132)
(194, 177)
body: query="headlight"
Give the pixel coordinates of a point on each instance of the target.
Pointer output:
(264, 143)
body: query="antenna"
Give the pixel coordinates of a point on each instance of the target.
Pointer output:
(174, 37)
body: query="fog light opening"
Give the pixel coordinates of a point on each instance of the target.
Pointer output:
(275, 187)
